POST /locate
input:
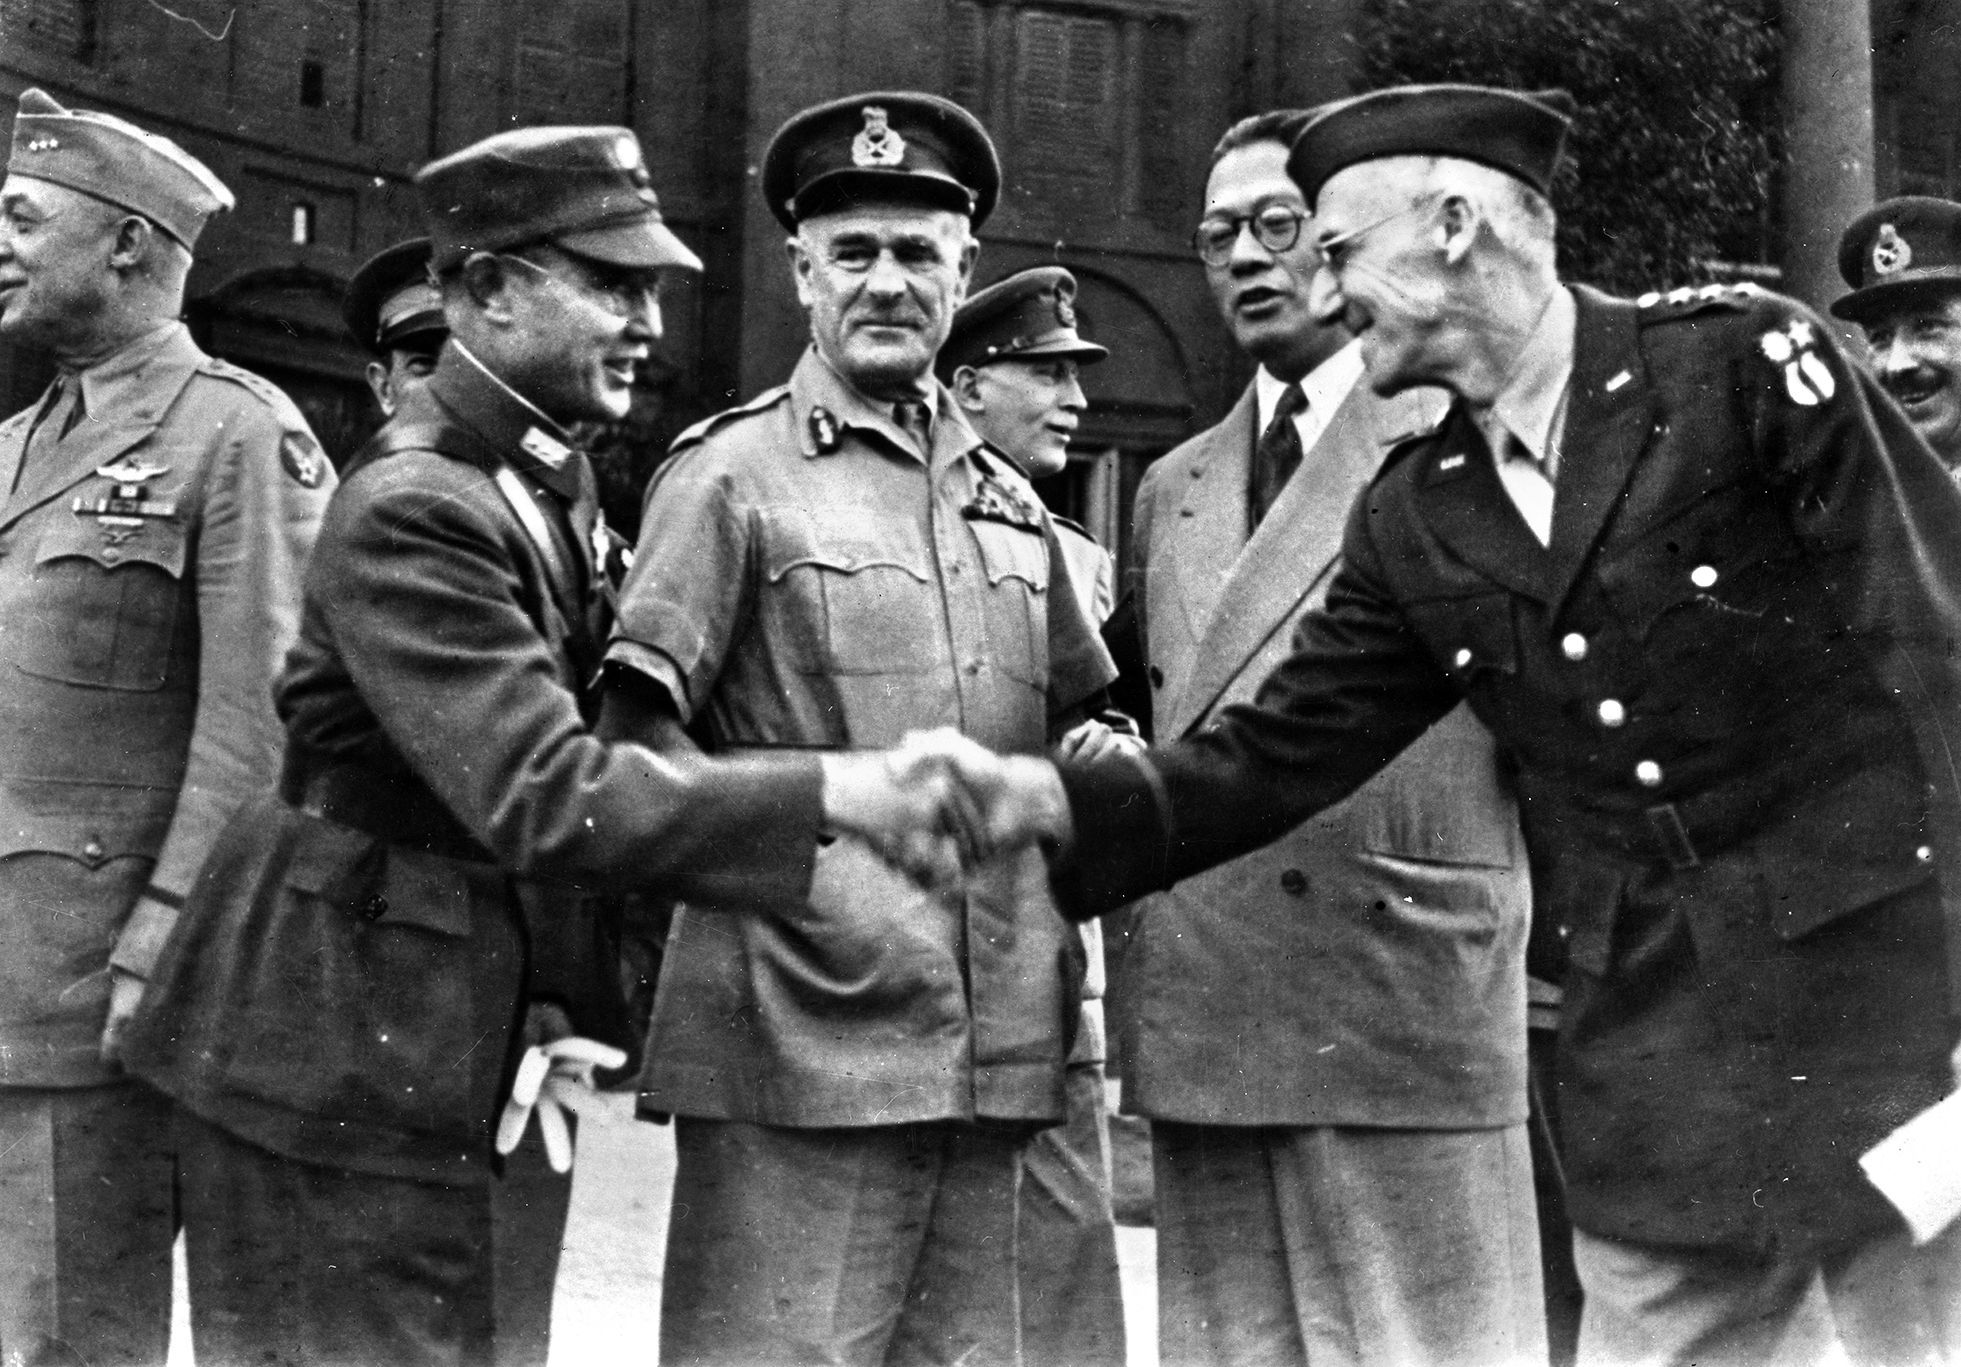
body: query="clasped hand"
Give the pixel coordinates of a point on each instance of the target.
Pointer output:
(940, 804)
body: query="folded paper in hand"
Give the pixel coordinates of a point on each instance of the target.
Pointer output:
(1918, 1168)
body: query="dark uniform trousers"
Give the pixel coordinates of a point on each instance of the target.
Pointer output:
(1729, 688)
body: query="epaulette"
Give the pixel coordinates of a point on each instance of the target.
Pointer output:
(259, 387)
(769, 398)
(1659, 306)
(1070, 524)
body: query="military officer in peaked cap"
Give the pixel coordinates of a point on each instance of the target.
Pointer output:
(343, 1005)
(1902, 259)
(156, 506)
(1012, 360)
(835, 563)
(1698, 577)
(395, 312)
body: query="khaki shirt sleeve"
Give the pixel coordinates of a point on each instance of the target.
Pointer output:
(689, 583)
(1079, 665)
(256, 528)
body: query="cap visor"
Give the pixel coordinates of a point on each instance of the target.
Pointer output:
(1860, 305)
(638, 242)
(1087, 352)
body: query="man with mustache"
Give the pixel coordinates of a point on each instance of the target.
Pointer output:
(1699, 579)
(1903, 261)
(1337, 1097)
(340, 1009)
(829, 566)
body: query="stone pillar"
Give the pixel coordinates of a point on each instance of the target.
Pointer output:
(1828, 138)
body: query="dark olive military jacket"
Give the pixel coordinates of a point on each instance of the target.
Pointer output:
(1728, 689)
(352, 964)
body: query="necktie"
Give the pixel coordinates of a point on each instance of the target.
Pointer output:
(1277, 454)
(1524, 479)
(57, 415)
(916, 422)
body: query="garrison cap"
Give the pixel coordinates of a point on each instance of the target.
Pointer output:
(390, 299)
(114, 160)
(1022, 317)
(1896, 249)
(1518, 133)
(585, 189)
(890, 145)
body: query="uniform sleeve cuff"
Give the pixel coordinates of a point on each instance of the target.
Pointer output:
(142, 940)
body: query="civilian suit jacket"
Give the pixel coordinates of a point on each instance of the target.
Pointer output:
(1367, 967)
(1755, 561)
(352, 965)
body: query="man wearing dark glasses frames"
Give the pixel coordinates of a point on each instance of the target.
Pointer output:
(1325, 1123)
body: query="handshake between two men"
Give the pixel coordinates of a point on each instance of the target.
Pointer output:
(939, 804)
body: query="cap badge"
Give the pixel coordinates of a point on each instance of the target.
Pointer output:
(877, 143)
(1065, 312)
(626, 150)
(1891, 253)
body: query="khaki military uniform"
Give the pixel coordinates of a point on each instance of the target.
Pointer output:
(808, 576)
(150, 561)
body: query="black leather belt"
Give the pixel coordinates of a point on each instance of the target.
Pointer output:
(397, 810)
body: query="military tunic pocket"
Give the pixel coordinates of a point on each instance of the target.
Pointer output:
(104, 612)
(851, 594)
(1016, 563)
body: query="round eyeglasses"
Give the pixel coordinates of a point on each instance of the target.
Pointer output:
(1275, 227)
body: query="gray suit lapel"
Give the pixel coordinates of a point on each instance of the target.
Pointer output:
(1297, 546)
(1198, 539)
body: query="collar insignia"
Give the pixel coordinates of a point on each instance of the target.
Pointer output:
(824, 433)
(1891, 253)
(541, 445)
(877, 143)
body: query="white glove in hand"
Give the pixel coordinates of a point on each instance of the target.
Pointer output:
(549, 1078)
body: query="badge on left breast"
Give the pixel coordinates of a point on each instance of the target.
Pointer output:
(127, 506)
(995, 501)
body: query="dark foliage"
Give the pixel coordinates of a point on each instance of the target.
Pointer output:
(1671, 158)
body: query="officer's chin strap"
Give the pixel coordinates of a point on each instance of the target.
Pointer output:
(550, 1078)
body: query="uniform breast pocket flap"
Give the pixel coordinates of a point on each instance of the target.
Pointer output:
(1009, 552)
(106, 601)
(852, 592)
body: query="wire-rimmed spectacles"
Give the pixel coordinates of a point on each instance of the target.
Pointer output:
(1276, 227)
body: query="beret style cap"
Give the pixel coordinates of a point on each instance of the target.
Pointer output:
(900, 146)
(1897, 249)
(114, 160)
(1518, 133)
(1025, 316)
(390, 298)
(584, 188)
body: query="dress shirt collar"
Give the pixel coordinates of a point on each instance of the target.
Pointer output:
(816, 388)
(1532, 405)
(116, 384)
(515, 428)
(1325, 386)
